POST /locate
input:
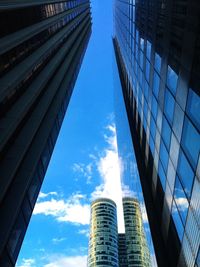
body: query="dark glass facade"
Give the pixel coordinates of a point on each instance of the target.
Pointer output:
(122, 250)
(157, 51)
(42, 44)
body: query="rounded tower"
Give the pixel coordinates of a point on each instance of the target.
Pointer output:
(103, 243)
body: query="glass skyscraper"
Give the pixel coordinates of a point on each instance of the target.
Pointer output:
(103, 243)
(136, 246)
(157, 51)
(42, 44)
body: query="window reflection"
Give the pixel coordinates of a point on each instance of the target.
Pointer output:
(181, 200)
(156, 82)
(177, 221)
(193, 107)
(166, 133)
(147, 69)
(172, 79)
(169, 106)
(154, 107)
(191, 142)
(164, 156)
(162, 175)
(185, 173)
(157, 62)
(148, 50)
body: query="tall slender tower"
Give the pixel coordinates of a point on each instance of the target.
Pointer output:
(158, 54)
(42, 44)
(103, 243)
(136, 244)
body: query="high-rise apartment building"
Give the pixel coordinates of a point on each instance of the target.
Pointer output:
(106, 246)
(42, 44)
(103, 243)
(135, 239)
(157, 50)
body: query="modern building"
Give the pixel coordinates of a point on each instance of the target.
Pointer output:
(136, 245)
(106, 246)
(42, 44)
(122, 253)
(103, 243)
(157, 51)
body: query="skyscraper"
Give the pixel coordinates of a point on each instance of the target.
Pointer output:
(157, 50)
(136, 246)
(103, 243)
(106, 246)
(42, 44)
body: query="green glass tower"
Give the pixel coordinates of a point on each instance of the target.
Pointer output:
(136, 245)
(103, 244)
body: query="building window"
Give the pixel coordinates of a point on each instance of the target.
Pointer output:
(157, 62)
(169, 106)
(162, 175)
(154, 107)
(181, 200)
(166, 133)
(148, 52)
(172, 79)
(177, 221)
(147, 70)
(191, 142)
(185, 173)
(164, 156)
(193, 108)
(156, 83)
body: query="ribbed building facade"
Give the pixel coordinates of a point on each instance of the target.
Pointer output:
(136, 245)
(42, 44)
(158, 53)
(103, 243)
(122, 252)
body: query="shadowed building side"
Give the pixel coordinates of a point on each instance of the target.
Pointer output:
(42, 44)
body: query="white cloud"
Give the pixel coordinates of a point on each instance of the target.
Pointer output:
(44, 195)
(27, 263)
(83, 170)
(58, 240)
(70, 210)
(61, 260)
(182, 203)
(109, 169)
(84, 232)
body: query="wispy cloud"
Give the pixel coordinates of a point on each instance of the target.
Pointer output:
(58, 240)
(27, 263)
(61, 260)
(83, 170)
(73, 210)
(84, 232)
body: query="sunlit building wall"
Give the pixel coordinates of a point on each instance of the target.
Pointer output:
(103, 243)
(136, 244)
(42, 44)
(158, 54)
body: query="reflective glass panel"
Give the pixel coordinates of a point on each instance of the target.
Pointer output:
(146, 90)
(185, 173)
(191, 142)
(193, 107)
(152, 144)
(154, 107)
(141, 59)
(164, 156)
(166, 133)
(162, 175)
(181, 200)
(169, 106)
(145, 108)
(177, 221)
(156, 83)
(147, 69)
(153, 128)
(157, 62)
(148, 50)
(172, 79)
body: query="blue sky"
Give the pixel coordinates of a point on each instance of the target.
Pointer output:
(84, 164)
